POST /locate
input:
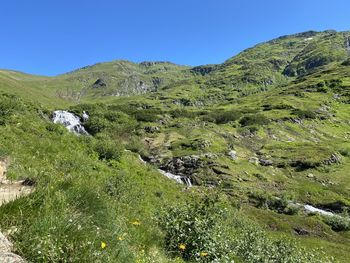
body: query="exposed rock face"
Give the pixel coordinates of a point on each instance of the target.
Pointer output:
(99, 83)
(335, 158)
(185, 165)
(204, 70)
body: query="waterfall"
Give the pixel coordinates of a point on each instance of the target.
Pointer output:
(70, 121)
(178, 178)
(311, 209)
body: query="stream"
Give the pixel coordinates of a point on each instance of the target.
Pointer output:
(73, 123)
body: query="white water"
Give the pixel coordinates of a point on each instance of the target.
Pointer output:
(70, 121)
(311, 209)
(178, 178)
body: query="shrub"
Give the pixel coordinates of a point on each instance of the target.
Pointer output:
(345, 151)
(9, 104)
(338, 223)
(107, 149)
(257, 119)
(193, 231)
(305, 114)
(222, 117)
(149, 115)
(251, 244)
(96, 124)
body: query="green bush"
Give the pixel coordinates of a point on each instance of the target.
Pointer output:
(107, 149)
(193, 231)
(251, 244)
(96, 124)
(9, 104)
(256, 119)
(338, 223)
(305, 114)
(222, 117)
(279, 204)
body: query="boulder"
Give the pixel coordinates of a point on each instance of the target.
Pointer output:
(232, 154)
(265, 162)
(184, 165)
(151, 129)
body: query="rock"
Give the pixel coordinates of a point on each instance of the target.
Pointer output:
(265, 162)
(28, 182)
(5, 251)
(99, 83)
(209, 155)
(254, 160)
(218, 171)
(185, 165)
(5, 244)
(3, 169)
(10, 258)
(85, 116)
(310, 176)
(232, 154)
(337, 96)
(301, 231)
(335, 158)
(151, 129)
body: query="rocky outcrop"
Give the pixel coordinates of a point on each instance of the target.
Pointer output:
(9, 191)
(185, 165)
(232, 154)
(99, 83)
(335, 158)
(151, 129)
(204, 70)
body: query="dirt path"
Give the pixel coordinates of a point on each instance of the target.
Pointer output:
(9, 191)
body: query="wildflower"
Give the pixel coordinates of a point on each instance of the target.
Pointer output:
(203, 254)
(121, 238)
(182, 247)
(136, 223)
(103, 245)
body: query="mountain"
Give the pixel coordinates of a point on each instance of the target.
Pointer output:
(260, 143)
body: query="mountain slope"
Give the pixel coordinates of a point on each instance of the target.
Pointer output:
(262, 134)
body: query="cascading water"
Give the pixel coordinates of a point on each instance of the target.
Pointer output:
(70, 121)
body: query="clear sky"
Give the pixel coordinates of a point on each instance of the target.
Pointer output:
(49, 37)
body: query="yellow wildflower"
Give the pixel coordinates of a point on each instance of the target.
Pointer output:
(122, 237)
(182, 246)
(136, 223)
(103, 245)
(203, 254)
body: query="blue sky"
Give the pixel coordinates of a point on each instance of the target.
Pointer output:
(50, 37)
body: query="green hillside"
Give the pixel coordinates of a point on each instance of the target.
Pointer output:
(259, 136)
